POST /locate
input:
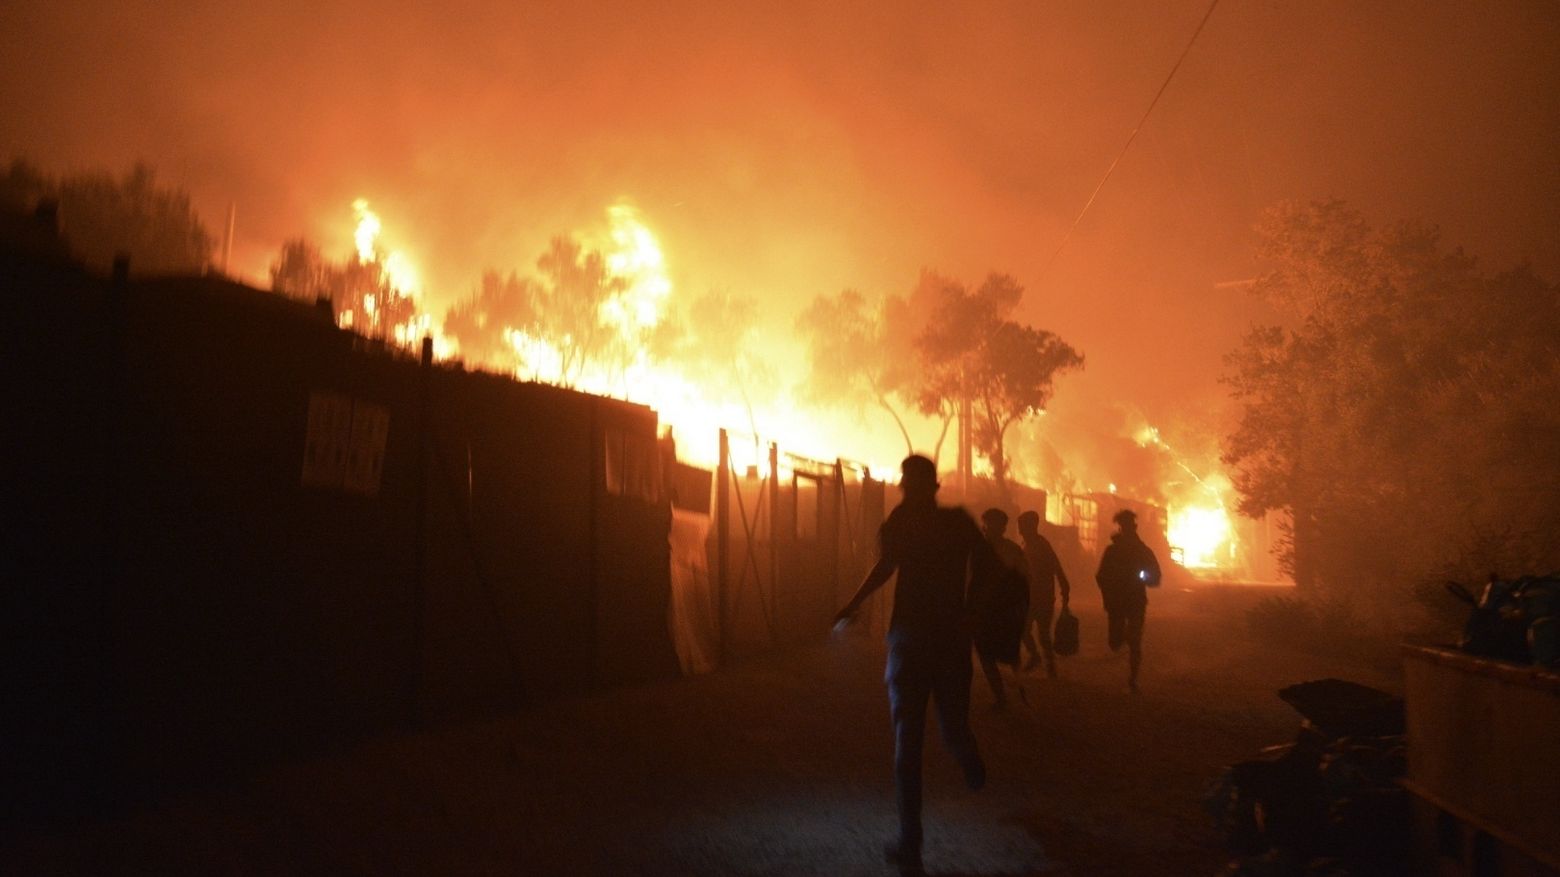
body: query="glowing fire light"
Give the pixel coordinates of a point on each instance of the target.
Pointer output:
(635, 255)
(1200, 532)
(1199, 522)
(397, 268)
(367, 232)
(632, 253)
(688, 402)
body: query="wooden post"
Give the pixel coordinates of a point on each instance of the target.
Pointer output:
(723, 544)
(109, 742)
(227, 239)
(774, 531)
(420, 541)
(966, 450)
(841, 528)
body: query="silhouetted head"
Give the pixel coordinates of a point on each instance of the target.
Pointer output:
(1126, 520)
(1029, 523)
(918, 477)
(994, 521)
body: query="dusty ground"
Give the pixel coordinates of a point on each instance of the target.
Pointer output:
(779, 766)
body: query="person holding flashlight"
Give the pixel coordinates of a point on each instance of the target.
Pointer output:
(1128, 569)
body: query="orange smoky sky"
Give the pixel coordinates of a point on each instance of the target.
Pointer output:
(783, 150)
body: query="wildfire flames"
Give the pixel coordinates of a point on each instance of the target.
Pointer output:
(396, 267)
(642, 300)
(1199, 521)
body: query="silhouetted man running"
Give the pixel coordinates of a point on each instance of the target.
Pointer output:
(1045, 575)
(934, 550)
(993, 526)
(1127, 569)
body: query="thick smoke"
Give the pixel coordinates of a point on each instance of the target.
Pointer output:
(781, 151)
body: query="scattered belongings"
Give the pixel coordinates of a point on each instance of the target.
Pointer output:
(1513, 620)
(1329, 803)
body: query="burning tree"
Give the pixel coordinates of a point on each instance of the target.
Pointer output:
(589, 319)
(500, 302)
(1404, 412)
(361, 291)
(861, 354)
(576, 286)
(716, 342)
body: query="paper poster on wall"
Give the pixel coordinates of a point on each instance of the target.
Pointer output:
(325, 440)
(366, 448)
(344, 443)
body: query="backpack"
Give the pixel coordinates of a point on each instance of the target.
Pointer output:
(999, 626)
(1065, 640)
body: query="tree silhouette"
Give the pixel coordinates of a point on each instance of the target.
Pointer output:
(1399, 412)
(944, 350)
(301, 271)
(361, 293)
(717, 344)
(501, 303)
(860, 354)
(1014, 378)
(992, 370)
(102, 216)
(575, 286)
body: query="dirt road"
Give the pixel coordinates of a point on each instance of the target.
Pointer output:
(776, 767)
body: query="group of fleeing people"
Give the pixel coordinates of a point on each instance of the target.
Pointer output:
(949, 580)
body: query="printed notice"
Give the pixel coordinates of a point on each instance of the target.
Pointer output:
(366, 448)
(344, 443)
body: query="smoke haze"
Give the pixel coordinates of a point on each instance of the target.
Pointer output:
(781, 151)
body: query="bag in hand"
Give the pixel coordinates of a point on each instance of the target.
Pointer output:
(1065, 638)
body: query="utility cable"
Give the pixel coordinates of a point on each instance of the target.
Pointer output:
(1133, 136)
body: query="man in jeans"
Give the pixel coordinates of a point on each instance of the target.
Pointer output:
(934, 550)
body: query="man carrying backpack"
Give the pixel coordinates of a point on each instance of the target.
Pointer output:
(1127, 569)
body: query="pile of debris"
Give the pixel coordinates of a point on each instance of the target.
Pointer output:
(1514, 620)
(1328, 804)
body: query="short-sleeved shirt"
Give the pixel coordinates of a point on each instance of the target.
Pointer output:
(931, 547)
(1044, 569)
(1011, 555)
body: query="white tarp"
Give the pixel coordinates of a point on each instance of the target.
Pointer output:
(693, 614)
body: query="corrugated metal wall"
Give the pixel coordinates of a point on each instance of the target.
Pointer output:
(179, 596)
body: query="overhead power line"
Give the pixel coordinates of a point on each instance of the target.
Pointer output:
(1133, 136)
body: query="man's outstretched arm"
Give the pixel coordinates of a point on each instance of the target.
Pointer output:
(876, 577)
